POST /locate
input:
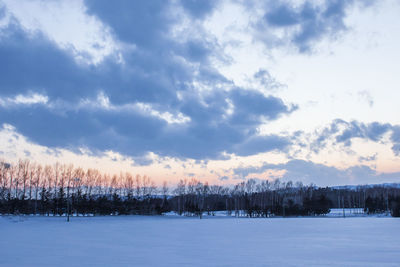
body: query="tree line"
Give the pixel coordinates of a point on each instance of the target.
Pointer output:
(61, 189)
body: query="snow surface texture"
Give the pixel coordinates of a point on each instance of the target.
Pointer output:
(212, 241)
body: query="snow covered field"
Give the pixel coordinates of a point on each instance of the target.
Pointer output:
(183, 241)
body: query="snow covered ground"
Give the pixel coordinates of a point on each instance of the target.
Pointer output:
(212, 241)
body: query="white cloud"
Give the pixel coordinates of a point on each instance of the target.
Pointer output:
(167, 116)
(103, 102)
(366, 96)
(29, 99)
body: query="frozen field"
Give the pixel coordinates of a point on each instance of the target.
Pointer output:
(218, 241)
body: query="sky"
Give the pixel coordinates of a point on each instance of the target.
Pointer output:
(221, 91)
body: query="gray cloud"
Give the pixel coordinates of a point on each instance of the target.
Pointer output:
(167, 166)
(320, 174)
(266, 80)
(165, 74)
(307, 23)
(153, 74)
(223, 178)
(199, 8)
(344, 132)
(368, 158)
(395, 138)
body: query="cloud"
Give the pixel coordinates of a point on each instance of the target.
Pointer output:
(199, 8)
(341, 132)
(395, 138)
(223, 178)
(320, 174)
(346, 131)
(260, 144)
(68, 25)
(141, 23)
(2, 12)
(302, 25)
(250, 105)
(366, 96)
(368, 158)
(168, 166)
(29, 99)
(164, 97)
(373, 131)
(266, 80)
(142, 161)
(157, 88)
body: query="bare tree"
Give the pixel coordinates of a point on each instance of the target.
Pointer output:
(4, 171)
(36, 183)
